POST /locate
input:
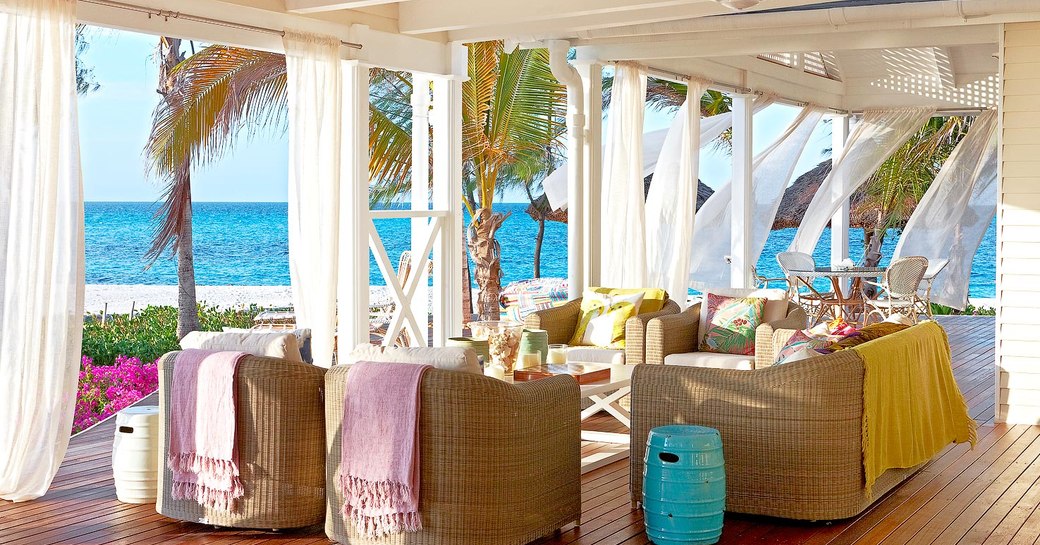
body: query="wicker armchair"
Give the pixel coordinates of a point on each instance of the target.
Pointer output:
(281, 446)
(500, 464)
(561, 322)
(677, 334)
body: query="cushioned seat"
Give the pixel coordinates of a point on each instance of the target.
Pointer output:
(711, 359)
(593, 354)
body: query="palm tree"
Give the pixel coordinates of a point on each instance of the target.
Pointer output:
(512, 111)
(85, 82)
(893, 191)
(512, 106)
(174, 230)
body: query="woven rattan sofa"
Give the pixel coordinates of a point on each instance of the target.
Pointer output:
(792, 433)
(500, 463)
(673, 340)
(280, 423)
(561, 322)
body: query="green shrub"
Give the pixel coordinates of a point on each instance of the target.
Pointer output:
(152, 332)
(970, 310)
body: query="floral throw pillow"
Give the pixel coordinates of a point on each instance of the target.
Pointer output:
(730, 324)
(798, 345)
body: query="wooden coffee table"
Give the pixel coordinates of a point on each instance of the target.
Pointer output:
(606, 396)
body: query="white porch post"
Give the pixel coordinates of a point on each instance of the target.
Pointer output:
(740, 231)
(568, 76)
(447, 197)
(840, 221)
(355, 219)
(591, 73)
(420, 196)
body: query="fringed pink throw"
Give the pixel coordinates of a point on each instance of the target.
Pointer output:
(203, 454)
(379, 470)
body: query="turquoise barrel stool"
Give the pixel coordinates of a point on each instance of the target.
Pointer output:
(684, 485)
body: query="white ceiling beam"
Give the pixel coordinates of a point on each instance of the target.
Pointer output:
(730, 73)
(714, 44)
(542, 19)
(379, 48)
(317, 6)
(944, 67)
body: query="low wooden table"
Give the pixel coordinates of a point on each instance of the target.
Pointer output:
(606, 396)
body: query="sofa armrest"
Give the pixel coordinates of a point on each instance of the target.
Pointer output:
(671, 334)
(765, 346)
(635, 332)
(560, 322)
(792, 434)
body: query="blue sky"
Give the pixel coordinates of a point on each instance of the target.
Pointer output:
(114, 123)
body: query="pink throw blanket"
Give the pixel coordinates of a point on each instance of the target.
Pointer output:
(379, 471)
(203, 452)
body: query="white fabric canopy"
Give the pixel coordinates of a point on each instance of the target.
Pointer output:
(876, 136)
(41, 243)
(953, 216)
(771, 174)
(555, 184)
(315, 81)
(671, 203)
(624, 243)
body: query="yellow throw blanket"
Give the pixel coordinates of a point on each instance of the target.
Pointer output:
(912, 407)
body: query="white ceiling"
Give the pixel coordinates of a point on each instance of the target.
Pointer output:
(918, 52)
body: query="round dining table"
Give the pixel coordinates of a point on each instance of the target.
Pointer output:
(839, 301)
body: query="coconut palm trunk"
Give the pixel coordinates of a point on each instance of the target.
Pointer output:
(487, 254)
(178, 206)
(187, 302)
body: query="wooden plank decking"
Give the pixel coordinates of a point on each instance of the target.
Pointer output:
(987, 495)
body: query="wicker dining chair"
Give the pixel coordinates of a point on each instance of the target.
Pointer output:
(934, 268)
(898, 289)
(815, 302)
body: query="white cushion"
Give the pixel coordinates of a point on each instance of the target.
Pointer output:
(803, 354)
(711, 359)
(592, 354)
(273, 345)
(775, 309)
(451, 358)
(303, 337)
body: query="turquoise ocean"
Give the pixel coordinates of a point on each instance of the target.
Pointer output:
(246, 244)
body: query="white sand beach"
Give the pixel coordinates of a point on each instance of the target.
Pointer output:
(121, 298)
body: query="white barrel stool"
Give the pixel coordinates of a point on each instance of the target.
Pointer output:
(135, 454)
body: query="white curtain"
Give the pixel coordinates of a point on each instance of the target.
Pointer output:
(875, 137)
(624, 241)
(555, 184)
(953, 216)
(315, 82)
(41, 243)
(671, 203)
(772, 169)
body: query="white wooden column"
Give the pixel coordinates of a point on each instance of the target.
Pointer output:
(840, 220)
(740, 229)
(591, 73)
(420, 194)
(355, 219)
(1018, 228)
(446, 119)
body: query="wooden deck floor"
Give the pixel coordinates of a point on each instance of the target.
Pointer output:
(987, 495)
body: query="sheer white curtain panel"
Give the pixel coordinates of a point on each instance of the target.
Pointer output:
(41, 243)
(671, 204)
(772, 171)
(624, 227)
(315, 89)
(958, 207)
(875, 137)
